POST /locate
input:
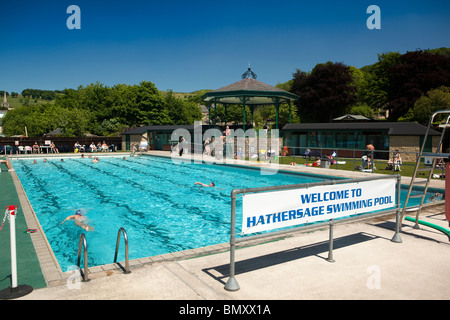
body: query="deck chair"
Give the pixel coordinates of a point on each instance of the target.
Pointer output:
(365, 162)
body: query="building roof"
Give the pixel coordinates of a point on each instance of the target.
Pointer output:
(352, 117)
(394, 128)
(55, 132)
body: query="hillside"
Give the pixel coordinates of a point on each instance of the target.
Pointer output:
(187, 95)
(18, 101)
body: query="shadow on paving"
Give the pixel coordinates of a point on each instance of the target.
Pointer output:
(284, 256)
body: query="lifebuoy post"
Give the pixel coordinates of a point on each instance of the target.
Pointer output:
(15, 291)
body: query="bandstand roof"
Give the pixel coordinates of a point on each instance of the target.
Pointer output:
(254, 92)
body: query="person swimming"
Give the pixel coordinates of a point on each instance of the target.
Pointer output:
(205, 185)
(80, 220)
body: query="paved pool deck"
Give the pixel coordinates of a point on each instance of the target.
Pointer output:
(289, 267)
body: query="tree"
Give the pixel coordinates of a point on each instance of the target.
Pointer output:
(362, 109)
(181, 111)
(326, 93)
(416, 73)
(41, 119)
(434, 100)
(373, 88)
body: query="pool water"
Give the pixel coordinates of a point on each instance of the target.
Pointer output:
(154, 199)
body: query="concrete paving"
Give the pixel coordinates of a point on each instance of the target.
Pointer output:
(367, 266)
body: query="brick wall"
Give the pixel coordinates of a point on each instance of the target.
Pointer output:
(409, 144)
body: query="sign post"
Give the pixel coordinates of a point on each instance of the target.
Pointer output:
(15, 291)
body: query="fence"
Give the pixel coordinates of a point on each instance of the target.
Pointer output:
(10, 145)
(344, 159)
(383, 159)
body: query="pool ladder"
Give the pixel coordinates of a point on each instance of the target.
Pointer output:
(83, 245)
(125, 237)
(422, 154)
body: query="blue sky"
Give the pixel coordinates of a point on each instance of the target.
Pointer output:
(192, 45)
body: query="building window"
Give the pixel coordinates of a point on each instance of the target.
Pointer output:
(312, 139)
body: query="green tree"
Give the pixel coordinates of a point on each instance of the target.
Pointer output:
(326, 93)
(415, 74)
(362, 109)
(434, 100)
(373, 89)
(182, 111)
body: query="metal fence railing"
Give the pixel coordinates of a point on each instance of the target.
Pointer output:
(390, 161)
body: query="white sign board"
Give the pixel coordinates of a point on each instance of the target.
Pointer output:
(279, 209)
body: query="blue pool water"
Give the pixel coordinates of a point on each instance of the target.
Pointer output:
(153, 198)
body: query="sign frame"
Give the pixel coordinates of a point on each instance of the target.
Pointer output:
(232, 284)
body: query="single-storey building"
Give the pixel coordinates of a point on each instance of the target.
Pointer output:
(155, 137)
(161, 137)
(351, 138)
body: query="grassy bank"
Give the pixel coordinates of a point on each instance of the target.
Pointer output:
(407, 168)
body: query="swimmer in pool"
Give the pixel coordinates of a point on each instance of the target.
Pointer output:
(205, 185)
(80, 220)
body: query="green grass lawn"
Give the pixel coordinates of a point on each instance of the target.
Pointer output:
(19, 101)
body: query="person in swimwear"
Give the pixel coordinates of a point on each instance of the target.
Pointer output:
(80, 220)
(205, 185)
(370, 149)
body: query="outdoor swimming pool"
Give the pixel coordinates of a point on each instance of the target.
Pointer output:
(153, 198)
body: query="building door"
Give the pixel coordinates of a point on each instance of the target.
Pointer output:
(298, 143)
(159, 141)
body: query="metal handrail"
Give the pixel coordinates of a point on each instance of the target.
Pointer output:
(125, 237)
(84, 242)
(433, 164)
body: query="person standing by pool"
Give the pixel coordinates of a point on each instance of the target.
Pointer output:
(181, 145)
(35, 147)
(207, 147)
(80, 220)
(370, 150)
